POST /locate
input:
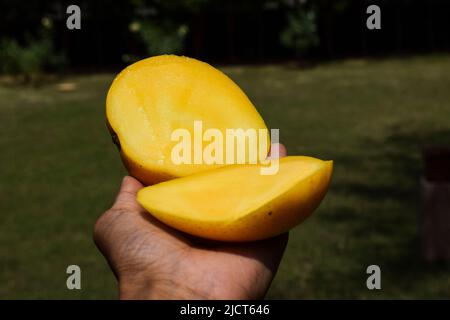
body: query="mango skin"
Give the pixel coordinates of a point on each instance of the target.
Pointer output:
(273, 218)
(196, 91)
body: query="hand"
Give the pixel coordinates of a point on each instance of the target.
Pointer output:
(154, 261)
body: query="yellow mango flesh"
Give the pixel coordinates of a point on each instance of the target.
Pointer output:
(151, 98)
(237, 203)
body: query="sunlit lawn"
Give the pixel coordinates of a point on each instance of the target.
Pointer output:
(59, 171)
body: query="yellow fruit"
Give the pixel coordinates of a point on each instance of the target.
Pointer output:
(155, 97)
(237, 203)
(151, 98)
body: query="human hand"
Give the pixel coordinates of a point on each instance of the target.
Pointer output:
(154, 261)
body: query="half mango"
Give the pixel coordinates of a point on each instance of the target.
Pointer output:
(152, 98)
(237, 203)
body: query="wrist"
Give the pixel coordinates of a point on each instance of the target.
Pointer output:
(144, 288)
(135, 288)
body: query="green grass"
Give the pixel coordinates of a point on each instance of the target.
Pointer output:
(60, 171)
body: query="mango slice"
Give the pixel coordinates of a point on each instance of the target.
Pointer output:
(151, 98)
(237, 203)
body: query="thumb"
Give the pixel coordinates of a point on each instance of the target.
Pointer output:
(126, 198)
(277, 150)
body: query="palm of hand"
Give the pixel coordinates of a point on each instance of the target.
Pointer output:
(152, 260)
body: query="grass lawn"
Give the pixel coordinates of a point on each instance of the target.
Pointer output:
(60, 171)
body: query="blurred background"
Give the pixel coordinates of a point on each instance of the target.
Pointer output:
(377, 102)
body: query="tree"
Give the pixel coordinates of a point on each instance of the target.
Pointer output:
(300, 33)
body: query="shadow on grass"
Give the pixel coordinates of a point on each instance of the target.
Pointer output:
(385, 220)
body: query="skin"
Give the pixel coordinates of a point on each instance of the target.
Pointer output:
(154, 261)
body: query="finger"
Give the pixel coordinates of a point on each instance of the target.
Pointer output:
(277, 149)
(126, 198)
(268, 251)
(266, 254)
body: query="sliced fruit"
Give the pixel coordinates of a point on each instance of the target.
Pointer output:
(237, 203)
(153, 97)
